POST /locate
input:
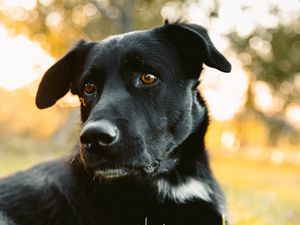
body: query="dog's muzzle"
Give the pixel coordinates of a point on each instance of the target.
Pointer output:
(105, 154)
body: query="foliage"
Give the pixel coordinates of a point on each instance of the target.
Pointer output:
(59, 22)
(273, 56)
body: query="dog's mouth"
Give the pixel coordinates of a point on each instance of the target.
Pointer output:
(114, 171)
(111, 173)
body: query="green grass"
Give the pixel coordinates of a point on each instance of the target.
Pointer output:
(22, 153)
(259, 193)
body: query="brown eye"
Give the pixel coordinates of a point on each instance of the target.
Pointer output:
(89, 88)
(148, 78)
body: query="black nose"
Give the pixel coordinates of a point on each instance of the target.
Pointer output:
(101, 132)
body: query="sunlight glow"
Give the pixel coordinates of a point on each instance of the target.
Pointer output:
(54, 19)
(263, 96)
(25, 4)
(225, 93)
(46, 2)
(228, 140)
(277, 156)
(243, 16)
(22, 60)
(293, 114)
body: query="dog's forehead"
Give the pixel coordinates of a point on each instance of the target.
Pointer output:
(144, 42)
(124, 41)
(146, 45)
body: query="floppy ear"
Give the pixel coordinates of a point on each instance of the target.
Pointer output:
(58, 78)
(194, 46)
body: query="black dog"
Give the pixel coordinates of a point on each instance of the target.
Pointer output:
(141, 157)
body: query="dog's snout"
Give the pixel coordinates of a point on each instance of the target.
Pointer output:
(101, 132)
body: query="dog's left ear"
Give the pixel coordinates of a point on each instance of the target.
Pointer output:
(58, 78)
(194, 46)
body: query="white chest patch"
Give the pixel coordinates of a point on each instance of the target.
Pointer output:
(183, 192)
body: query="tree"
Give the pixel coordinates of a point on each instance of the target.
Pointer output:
(272, 55)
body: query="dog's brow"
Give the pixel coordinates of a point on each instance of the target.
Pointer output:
(133, 61)
(93, 72)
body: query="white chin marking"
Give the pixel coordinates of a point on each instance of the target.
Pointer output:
(191, 189)
(111, 173)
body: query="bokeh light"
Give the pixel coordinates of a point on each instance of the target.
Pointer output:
(22, 61)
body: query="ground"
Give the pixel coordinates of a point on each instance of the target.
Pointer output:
(259, 193)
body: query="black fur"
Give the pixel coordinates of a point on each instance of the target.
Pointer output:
(151, 163)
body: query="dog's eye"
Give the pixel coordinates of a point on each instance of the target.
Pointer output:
(148, 78)
(89, 88)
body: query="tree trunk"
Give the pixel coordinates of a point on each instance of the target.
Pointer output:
(126, 20)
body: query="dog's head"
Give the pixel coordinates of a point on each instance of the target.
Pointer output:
(138, 94)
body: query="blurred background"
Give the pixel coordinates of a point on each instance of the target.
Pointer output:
(254, 136)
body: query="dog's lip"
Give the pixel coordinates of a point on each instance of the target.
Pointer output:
(111, 173)
(116, 171)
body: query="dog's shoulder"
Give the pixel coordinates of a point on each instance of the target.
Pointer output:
(38, 177)
(29, 195)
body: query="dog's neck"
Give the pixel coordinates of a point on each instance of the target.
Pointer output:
(186, 181)
(191, 153)
(191, 179)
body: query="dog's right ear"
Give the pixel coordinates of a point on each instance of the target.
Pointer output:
(58, 78)
(195, 47)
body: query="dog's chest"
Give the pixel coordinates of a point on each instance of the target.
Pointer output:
(167, 214)
(139, 208)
